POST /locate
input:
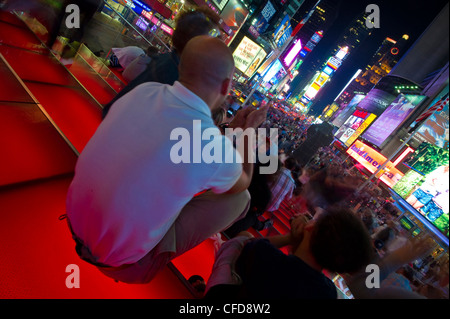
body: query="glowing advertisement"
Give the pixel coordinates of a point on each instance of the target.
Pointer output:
(261, 23)
(311, 92)
(293, 53)
(354, 126)
(283, 32)
(392, 118)
(328, 70)
(348, 110)
(259, 58)
(166, 28)
(376, 101)
(274, 69)
(363, 126)
(372, 160)
(234, 15)
(322, 79)
(426, 186)
(246, 54)
(436, 129)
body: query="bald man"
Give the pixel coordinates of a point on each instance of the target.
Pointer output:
(134, 202)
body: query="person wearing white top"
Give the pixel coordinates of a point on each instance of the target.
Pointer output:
(126, 55)
(130, 207)
(138, 65)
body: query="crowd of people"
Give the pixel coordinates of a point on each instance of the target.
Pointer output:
(292, 130)
(131, 208)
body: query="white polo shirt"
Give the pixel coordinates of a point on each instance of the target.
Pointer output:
(127, 191)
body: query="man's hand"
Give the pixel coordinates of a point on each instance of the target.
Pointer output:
(250, 117)
(256, 117)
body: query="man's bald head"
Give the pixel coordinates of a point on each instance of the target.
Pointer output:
(207, 62)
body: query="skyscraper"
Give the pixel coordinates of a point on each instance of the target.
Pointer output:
(321, 20)
(382, 62)
(351, 38)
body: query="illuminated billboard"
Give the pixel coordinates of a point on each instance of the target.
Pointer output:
(392, 118)
(311, 92)
(247, 56)
(293, 53)
(354, 126)
(261, 23)
(372, 160)
(328, 70)
(426, 186)
(283, 32)
(348, 110)
(220, 4)
(436, 128)
(323, 77)
(274, 69)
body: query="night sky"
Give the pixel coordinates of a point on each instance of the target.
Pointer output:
(398, 17)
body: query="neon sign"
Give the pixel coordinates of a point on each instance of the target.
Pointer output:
(372, 160)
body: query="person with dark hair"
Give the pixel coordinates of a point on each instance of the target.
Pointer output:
(198, 283)
(164, 68)
(246, 267)
(414, 249)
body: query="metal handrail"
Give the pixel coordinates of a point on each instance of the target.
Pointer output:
(137, 31)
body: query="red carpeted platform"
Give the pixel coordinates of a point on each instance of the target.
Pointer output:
(37, 247)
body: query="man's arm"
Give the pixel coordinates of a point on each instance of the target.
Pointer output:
(247, 118)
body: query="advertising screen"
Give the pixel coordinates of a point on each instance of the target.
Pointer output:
(376, 101)
(261, 23)
(283, 32)
(435, 129)
(259, 58)
(293, 53)
(247, 54)
(348, 110)
(354, 126)
(234, 14)
(274, 69)
(372, 160)
(392, 118)
(426, 186)
(220, 4)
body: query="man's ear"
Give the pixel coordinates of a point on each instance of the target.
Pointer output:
(225, 88)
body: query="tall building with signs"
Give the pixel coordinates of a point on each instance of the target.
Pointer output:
(382, 62)
(349, 41)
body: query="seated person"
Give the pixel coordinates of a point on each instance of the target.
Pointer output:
(138, 65)
(250, 268)
(131, 206)
(122, 57)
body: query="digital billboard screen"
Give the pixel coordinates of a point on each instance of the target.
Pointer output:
(247, 56)
(426, 186)
(354, 126)
(283, 32)
(435, 130)
(348, 110)
(392, 118)
(376, 101)
(372, 160)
